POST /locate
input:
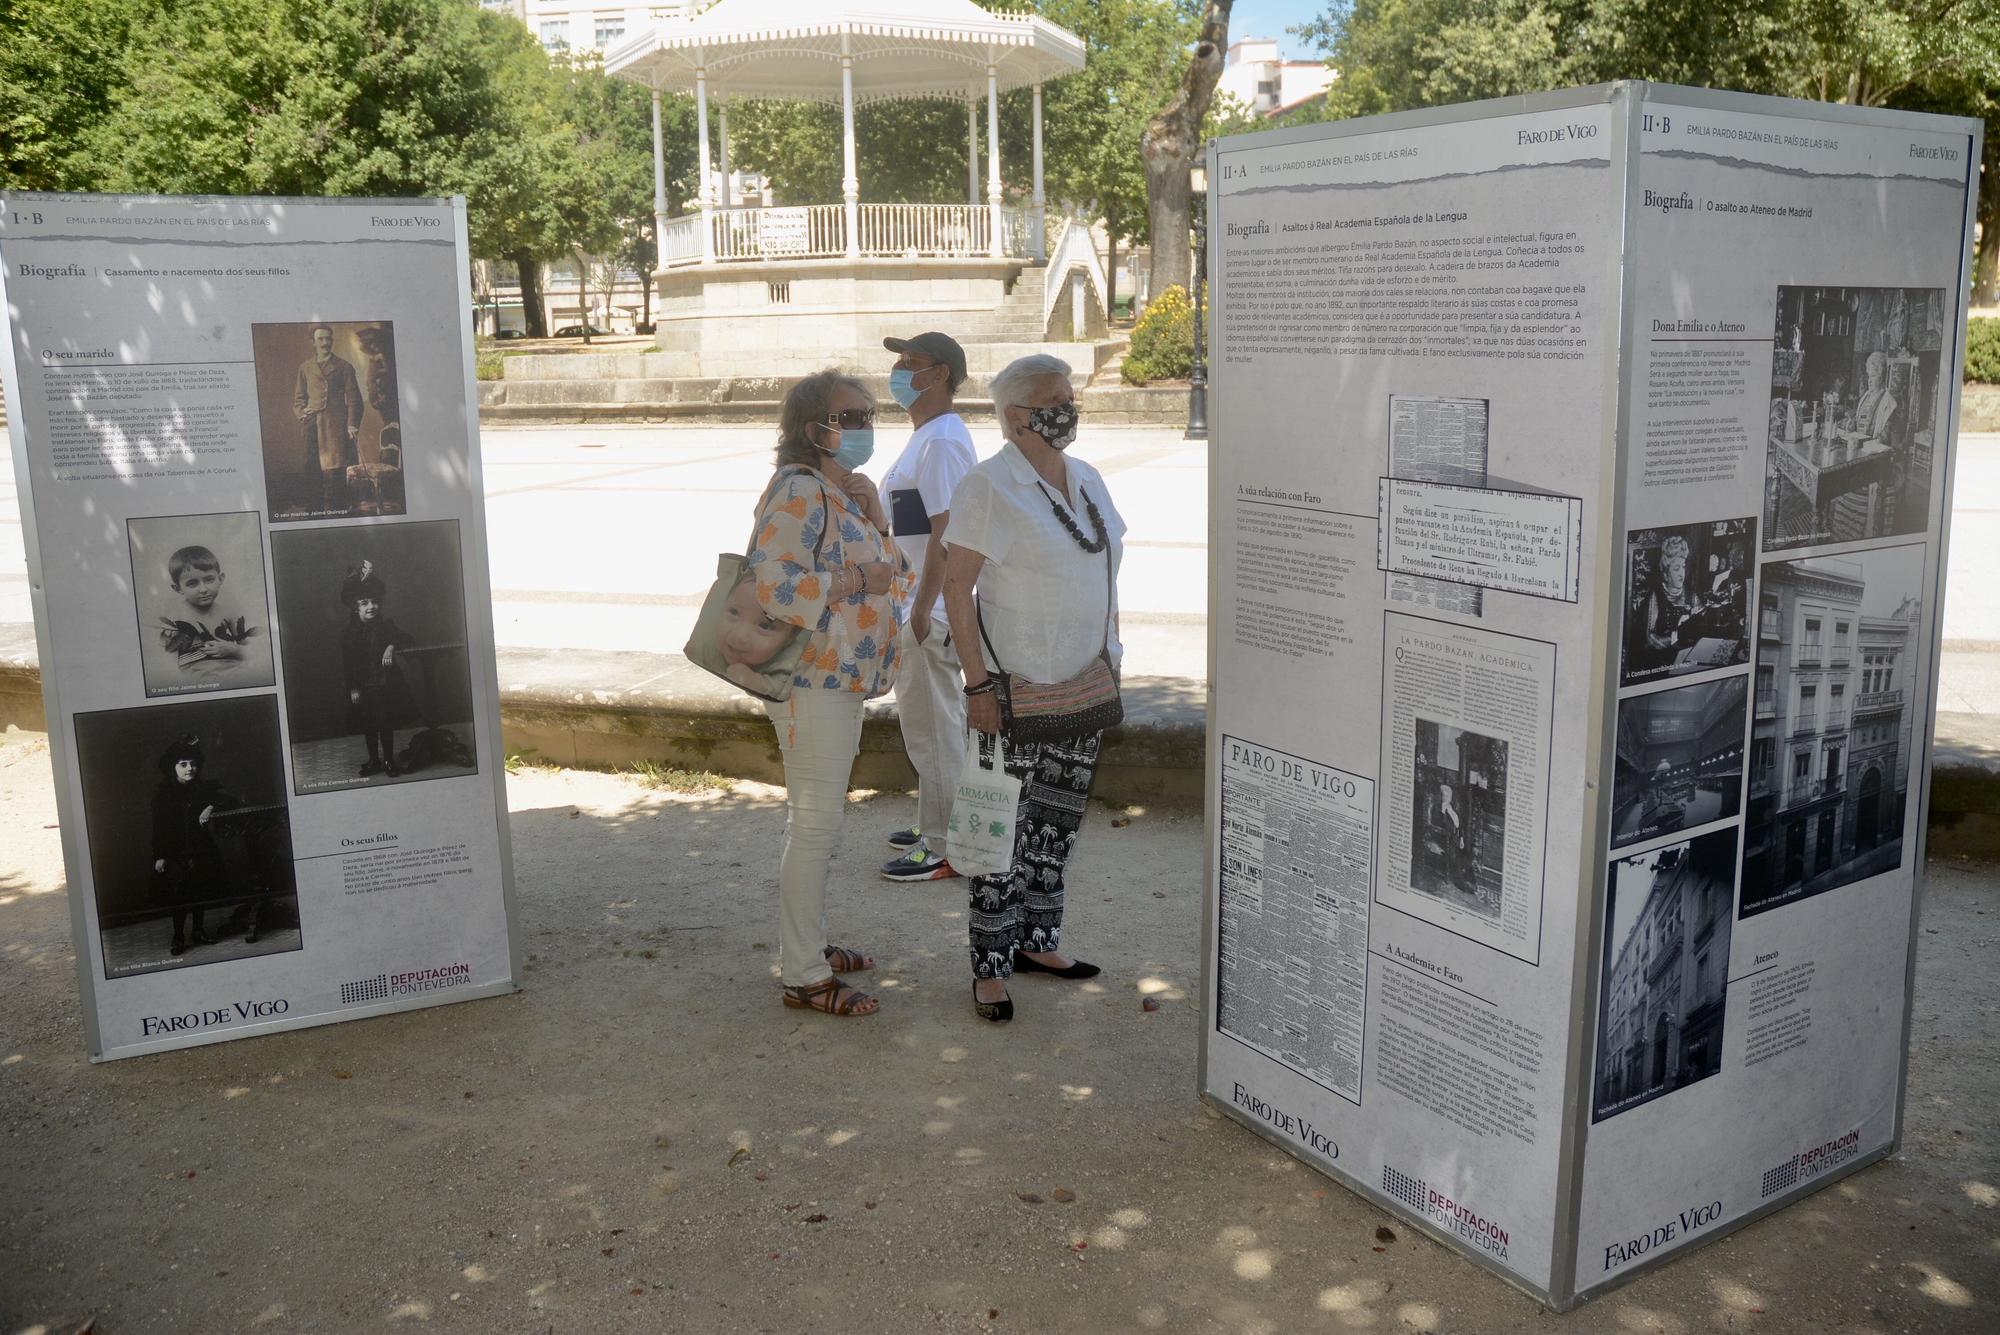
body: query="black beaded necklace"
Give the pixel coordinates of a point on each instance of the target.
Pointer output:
(1089, 508)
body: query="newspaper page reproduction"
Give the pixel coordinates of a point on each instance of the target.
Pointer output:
(247, 458)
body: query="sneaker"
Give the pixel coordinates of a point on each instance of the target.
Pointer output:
(906, 839)
(919, 864)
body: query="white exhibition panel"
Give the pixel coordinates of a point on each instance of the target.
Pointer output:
(273, 399)
(1550, 434)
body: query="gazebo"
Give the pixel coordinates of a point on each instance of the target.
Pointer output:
(852, 271)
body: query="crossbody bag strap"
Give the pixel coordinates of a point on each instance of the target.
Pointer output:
(825, 503)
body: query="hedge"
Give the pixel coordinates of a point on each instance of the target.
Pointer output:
(1982, 351)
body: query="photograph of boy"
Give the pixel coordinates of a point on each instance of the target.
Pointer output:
(329, 417)
(204, 619)
(190, 839)
(378, 687)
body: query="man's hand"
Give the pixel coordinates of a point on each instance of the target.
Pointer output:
(920, 623)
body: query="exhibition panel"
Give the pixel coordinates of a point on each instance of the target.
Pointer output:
(1579, 474)
(247, 452)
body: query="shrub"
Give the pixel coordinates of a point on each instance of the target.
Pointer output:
(1163, 340)
(1982, 351)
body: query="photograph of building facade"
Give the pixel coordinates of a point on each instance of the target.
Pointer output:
(1666, 973)
(1680, 759)
(1840, 666)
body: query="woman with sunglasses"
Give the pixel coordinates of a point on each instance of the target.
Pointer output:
(824, 560)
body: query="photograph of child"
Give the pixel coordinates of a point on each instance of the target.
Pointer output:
(748, 638)
(330, 418)
(206, 875)
(378, 685)
(204, 616)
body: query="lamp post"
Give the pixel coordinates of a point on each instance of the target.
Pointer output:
(1197, 426)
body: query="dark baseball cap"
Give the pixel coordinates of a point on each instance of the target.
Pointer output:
(938, 347)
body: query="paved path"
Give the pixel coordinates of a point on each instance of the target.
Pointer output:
(603, 538)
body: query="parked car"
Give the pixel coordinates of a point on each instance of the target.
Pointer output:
(578, 331)
(511, 333)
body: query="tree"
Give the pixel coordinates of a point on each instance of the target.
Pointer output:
(1169, 145)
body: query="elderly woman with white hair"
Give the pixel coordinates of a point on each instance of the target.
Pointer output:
(1030, 587)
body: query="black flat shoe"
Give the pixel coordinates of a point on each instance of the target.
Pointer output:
(1075, 968)
(999, 1011)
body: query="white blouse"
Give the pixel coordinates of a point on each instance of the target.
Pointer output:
(1043, 597)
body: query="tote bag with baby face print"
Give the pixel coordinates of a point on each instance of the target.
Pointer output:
(733, 637)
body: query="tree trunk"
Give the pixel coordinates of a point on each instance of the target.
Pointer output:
(530, 272)
(1111, 278)
(1986, 260)
(1169, 145)
(582, 262)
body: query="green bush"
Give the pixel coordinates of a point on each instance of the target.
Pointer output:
(1982, 351)
(487, 362)
(1163, 340)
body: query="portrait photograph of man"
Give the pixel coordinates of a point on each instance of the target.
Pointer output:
(330, 419)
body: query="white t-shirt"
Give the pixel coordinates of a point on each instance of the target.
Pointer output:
(1043, 597)
(929, 470)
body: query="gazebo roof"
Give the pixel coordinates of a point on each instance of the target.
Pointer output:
(789, 50)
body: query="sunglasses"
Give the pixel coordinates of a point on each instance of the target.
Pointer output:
(853, 419)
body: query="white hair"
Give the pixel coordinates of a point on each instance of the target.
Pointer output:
(1016, 382)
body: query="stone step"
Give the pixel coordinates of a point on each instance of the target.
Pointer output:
(982, 359)
(1103, 405)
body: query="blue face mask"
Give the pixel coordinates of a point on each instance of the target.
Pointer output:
(856, 447)
(903, 387)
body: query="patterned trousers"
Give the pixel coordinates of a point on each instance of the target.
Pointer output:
(1023, 910)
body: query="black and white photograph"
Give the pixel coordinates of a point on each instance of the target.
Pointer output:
(330, 419)
(1459, 835)
(1856, 375)
(1840, 688)
(378, 681)
(1666, 971)
(1687, 599)
(204, 610)
(189, 833)
(1680, 759)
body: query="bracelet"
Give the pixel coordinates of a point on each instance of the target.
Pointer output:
(983, 688)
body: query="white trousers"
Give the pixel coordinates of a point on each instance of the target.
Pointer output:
(930, 704)
(819, 733)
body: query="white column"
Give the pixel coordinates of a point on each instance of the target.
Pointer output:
(707, 183)
(850, 182)
(1041, 203)
(972, 150)
(659, 190)
(998, 247)
(722, 124)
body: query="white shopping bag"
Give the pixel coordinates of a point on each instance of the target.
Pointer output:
(980, 840)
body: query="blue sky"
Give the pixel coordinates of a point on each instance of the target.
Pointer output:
(1270, 18)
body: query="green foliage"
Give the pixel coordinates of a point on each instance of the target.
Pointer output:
(1982, 351)
(1163, 340)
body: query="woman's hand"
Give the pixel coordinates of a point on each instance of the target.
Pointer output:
(982, 712)
(875, 576)
(862, 492)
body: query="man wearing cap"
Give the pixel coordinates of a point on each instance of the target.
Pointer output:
(928, 371)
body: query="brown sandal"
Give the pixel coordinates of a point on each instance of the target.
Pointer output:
(847, 960)
(830, 997)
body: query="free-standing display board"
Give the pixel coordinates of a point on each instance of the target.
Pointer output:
(1580, 478)
(248, 464)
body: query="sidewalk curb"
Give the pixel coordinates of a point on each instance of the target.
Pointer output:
(610, 710)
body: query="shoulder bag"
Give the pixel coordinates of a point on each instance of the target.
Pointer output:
(770, 678)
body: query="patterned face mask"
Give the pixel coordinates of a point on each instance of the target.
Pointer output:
(1055, 425)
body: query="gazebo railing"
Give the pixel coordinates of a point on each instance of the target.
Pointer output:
(925, 229)
(819, 231)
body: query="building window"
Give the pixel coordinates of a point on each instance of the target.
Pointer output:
(1810, 648)
(1802, 765)
(1840, 637)
(553, 33)
(1808, 707)
(1832, 763)
(1767, 693)
(1833, 704)
(609, 30)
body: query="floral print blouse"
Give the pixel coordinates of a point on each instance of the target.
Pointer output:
(853, 646)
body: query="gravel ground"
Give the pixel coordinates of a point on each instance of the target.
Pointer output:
(645, 1140)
